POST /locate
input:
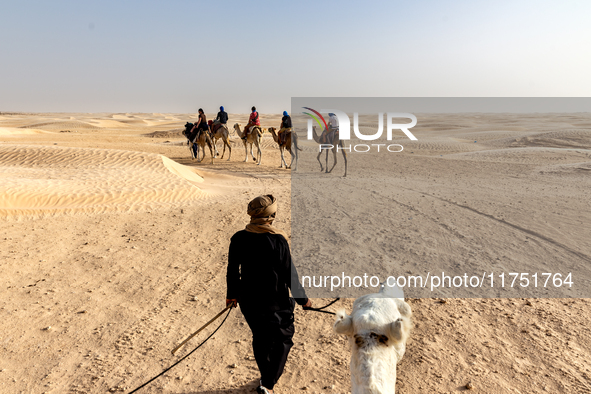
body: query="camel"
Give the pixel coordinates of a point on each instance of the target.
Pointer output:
(336, 143)
(223, 133)
(377, 329)
(291, 137)
(254, 137)
(196, 141)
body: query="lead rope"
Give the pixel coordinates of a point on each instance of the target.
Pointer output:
(184, 357)
(324, 307)
(221, 324)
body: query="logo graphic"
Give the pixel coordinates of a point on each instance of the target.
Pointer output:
(344, 124)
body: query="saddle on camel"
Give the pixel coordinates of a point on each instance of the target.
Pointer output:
(328, 136)
(214, 127)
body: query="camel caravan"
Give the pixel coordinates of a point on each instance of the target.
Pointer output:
(206, 133)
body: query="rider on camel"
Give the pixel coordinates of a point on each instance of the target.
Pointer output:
(285, 128)
(253, 120)
(220, 120)
(201, 123)
(333, 128)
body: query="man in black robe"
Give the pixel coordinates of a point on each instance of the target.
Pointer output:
(259, 277)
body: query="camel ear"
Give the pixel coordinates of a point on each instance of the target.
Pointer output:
(343, 324)
(399, 329)
(403, 308)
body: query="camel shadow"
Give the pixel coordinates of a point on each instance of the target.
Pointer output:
(246, 389)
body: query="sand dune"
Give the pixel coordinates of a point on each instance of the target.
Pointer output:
(135, 122)
(491, 135)
(108, 123)
(574, 169)
(172, 133)
(62, 125)
(552, 139)
(534, 155)
(19, 130)
(52, 179)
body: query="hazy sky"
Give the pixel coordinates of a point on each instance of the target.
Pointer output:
(177, 56)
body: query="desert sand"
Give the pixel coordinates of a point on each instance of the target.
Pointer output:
(114, 246)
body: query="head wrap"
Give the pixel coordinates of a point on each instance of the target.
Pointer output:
(262, 212)
(284, 113)
(222, 108)
(253, 109)
(262, 207)
(331, 114)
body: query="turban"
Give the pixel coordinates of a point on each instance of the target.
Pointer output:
(263, 207)
(262, 210)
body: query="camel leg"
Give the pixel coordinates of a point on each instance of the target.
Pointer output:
(210, 151)
(259, 154)
(319, 162)
(282, 159)
(345, 158)
(292, 155)
(283, 152)
(251, 153)
(294, 150)
(229, 149)
(245, 152)
(226, 142)
(224, 151)
(334, 156)
(203, 152)
(327, 162)
(215, 147)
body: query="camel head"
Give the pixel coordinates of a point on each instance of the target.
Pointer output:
(377, 329)
(274, 134)
(188, 128)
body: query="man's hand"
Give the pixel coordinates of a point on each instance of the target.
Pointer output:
(231, 302)
(308, 304)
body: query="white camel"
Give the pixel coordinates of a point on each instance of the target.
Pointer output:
(377, 330)
(253, 138)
